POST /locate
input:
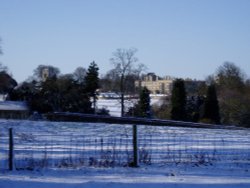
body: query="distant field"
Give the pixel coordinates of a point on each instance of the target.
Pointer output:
(114, 105)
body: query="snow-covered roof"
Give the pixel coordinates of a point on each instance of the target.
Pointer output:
(13, 105)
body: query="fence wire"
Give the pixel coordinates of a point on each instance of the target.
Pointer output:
(39, 145)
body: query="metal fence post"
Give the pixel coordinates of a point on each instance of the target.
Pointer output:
(135, 147)
(11, 146)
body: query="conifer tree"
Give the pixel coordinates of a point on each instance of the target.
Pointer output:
(211, 107)
(178, 100)
(92, 82)
(144, 103)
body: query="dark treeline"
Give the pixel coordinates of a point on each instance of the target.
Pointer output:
(47, 91)
(223, 98)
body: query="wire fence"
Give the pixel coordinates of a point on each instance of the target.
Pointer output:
(39, 145)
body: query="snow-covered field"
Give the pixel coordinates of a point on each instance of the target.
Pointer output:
(53, 154)
(114, 105)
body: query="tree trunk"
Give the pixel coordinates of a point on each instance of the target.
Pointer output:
(122, 95)
(94, 102)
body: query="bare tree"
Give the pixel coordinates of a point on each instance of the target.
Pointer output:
(233, 94)
(124, 60)
(79, 74)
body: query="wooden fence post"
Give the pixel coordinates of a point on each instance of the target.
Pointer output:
(135, 147)
(11, 146)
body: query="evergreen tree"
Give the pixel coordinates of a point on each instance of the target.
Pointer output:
(92, 82)
(211, 112)
(142, 108)
(144, 103)
(62, 94)
(7, 83)
(178, 100)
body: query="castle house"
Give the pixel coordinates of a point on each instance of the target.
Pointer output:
(155, 84)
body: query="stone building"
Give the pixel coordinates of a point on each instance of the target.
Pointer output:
(155, 84)
(158, 85)
(46, 73)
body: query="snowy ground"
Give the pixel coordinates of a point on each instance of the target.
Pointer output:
(179, 157)
(128, 177)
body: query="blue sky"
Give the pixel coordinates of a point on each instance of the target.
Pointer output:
(181, 38)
